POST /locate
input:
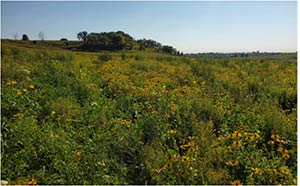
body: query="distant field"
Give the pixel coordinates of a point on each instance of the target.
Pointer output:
(141, 117)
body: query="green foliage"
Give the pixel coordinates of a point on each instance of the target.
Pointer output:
(25, 37)
(146, 118)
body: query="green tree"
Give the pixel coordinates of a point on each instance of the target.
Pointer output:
(25, 37)
(168, 49)
(82, 36)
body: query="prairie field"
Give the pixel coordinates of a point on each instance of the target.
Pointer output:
(146, 117)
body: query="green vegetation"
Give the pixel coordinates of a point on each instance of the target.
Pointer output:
(25, 37)
(119, 41)
(141, 117)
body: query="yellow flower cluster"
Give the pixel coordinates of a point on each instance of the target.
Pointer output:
(101, 163)
(171, 131)
(166, 166)
(233, 162)
(256, 170)
(237, 182)
(221, 138)
(189, 144)
(252, 137)
(276, 137)
(124, 122)
(235, 135)
(32, 181)
(121, 138)
(185, 159)
(31, 87)
(284, 170)
(237, 144)
(24, 90)
(11, 83)
(284, 152)
(78, 153)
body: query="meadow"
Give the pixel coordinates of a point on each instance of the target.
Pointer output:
(142, 117)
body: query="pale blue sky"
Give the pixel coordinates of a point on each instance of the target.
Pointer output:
(205, 26)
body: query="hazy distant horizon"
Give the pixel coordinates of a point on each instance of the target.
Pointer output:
(191, 27)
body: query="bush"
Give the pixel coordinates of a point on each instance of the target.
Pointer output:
(25, 37)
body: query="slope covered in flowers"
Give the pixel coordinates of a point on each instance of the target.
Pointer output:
(146, 118)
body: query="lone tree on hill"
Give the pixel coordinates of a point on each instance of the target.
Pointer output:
(25, 37)
(82, 36)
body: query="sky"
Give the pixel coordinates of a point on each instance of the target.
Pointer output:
(191, 27)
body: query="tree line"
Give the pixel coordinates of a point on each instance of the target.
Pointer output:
(120, 40)
(112, 41)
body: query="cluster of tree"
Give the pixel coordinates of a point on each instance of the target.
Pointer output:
(120, 40)
(106, 40)
(149, 43)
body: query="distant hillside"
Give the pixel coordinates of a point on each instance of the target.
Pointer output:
(241, 54)
(108, 41)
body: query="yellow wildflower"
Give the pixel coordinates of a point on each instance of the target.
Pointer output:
(154, 112)
(280, 141)
(271, 142)
(78, 153)
(185, 159)
(280, 149)
(186, 145)
(8, 83)
(285, 170)
(192, 149)
(24, 90)
(101, 163)
(236, 134)
(228, 149)
(286, 156)
(191, 137)
(274, 171)
(275, 136)
(125, 123)
(236, 182)
(175, 155)
(120, 138)
(256, 136)
(256, 171)
(19, 92)
(172, 131)
(233, 162)
(221, 138)
(31, 87)
(32, 181)
(13, 82)
(237, 143)
(250, 138)
(168, 165)
(285, 151)
(54, 136)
